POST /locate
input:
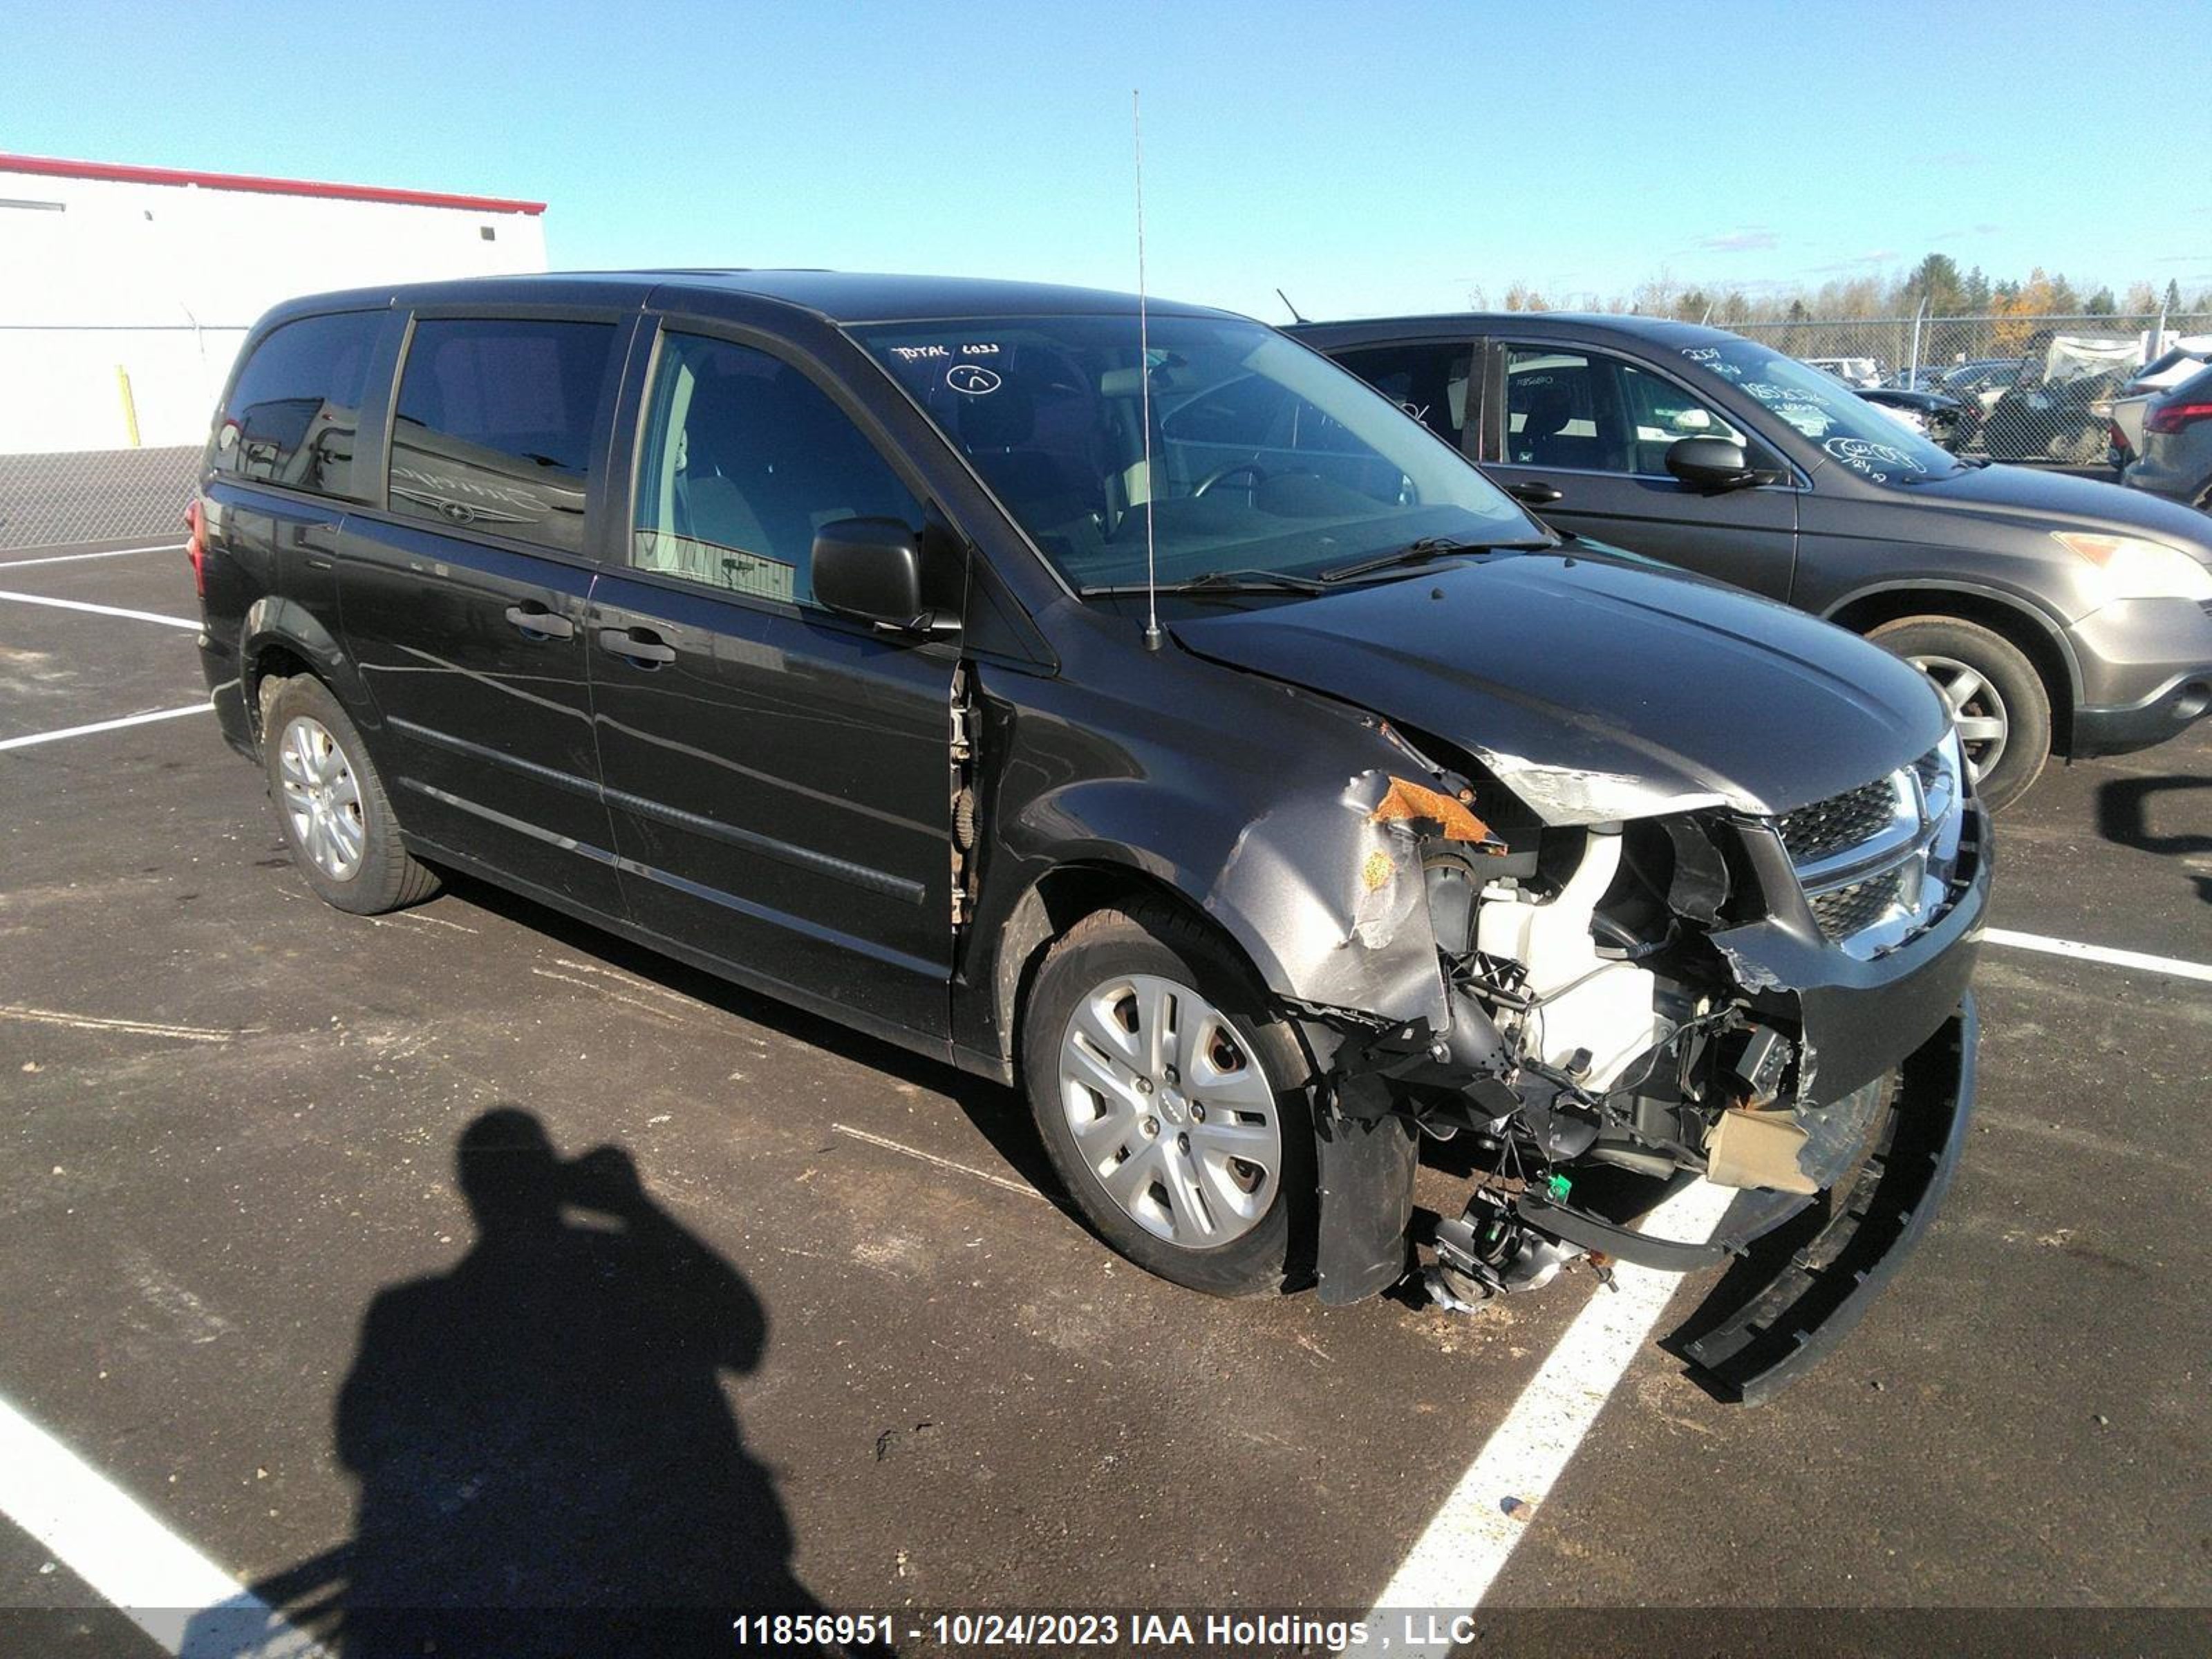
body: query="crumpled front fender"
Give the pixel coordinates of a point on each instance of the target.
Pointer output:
(1326, 904)
(1339, 898)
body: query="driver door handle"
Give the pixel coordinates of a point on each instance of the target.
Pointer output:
(1534, 493)
(639, 645)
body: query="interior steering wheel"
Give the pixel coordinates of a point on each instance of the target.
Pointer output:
(1259, 476)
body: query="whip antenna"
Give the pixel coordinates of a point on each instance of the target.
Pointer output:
(1144, 379)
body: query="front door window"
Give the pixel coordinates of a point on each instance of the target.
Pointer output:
(745, 459)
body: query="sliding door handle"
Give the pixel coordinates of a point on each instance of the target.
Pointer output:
(537, 621)
(641, 646)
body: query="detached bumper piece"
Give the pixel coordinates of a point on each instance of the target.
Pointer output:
(1771, 1334)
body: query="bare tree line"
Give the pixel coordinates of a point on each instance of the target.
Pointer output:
(1936, 280)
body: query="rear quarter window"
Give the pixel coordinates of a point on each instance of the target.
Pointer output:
(294, 408)
(494, 426)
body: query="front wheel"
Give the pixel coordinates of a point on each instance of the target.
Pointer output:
(1174, 1105)
(1997, 700)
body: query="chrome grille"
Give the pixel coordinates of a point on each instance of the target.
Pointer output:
(1828, 827)
(1875, 862)
(1934, 780)
(1856, 906)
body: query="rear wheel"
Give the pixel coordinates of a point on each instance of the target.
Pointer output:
(1997, 700)
(1175, 1107)
(337, 820)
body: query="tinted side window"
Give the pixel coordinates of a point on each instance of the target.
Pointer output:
(1560, 411)
(494, 426)
(1429, 382)
(745, 459)
(1660, 411)
(292, 413)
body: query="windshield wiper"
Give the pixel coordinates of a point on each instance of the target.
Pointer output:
(1420, 552)
(1220, 581)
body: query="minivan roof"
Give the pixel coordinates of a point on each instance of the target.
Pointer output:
(841, 296)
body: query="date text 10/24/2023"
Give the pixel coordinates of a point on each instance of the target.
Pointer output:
(1194, 1632)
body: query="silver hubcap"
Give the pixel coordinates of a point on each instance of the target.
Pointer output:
(1170, 1110)
(322, 797)
(1976, 709)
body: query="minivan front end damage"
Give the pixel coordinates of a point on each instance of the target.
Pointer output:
(1594, 1008)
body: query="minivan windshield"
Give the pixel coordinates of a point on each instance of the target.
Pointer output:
(1267, 460)
(1848, 429)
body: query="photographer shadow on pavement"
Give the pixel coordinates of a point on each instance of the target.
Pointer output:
(546, 1460)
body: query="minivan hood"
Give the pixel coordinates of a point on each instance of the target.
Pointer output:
(1598, 688)
(2031, 492)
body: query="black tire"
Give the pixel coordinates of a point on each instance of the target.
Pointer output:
(2020, 697)
(385, 876)
(1151, 938)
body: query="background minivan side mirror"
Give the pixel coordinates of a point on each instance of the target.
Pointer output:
(871, 568)
(1712, 464)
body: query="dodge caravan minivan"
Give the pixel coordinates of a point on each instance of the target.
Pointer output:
(1139, 710)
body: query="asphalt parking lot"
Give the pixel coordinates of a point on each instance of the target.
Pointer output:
(881, 1361)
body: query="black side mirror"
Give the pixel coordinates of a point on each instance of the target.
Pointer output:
(872, 568)
(1712, 465)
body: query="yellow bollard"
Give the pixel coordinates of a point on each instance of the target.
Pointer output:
(129, 408)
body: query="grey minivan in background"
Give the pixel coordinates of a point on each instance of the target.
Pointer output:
(2057, 614)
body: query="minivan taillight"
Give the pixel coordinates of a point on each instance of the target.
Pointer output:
(196, 550)
(2175, 417)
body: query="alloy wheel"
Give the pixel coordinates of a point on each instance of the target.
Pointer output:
(322, 797)
(1171, 1109)
(1977, 710)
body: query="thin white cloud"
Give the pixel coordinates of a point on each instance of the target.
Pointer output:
(1751, 239)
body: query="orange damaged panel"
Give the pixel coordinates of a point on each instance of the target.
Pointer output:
(1408, 802)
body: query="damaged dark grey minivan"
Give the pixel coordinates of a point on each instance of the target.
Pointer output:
(796, 624)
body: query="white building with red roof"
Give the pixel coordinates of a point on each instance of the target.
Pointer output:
(124, 290)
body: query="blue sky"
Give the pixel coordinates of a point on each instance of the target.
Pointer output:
(1366, 158)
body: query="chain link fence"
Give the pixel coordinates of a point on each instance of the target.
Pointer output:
(95, 496)
(101, 427)
(2026, 388)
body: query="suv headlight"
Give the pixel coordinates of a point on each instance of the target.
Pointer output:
(2134, 569)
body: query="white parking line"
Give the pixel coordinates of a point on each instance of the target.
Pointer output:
(101, 610)
(104, 725)
(105, 553)
(2104, 953)
(1454, 1563)
(162, 1584)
